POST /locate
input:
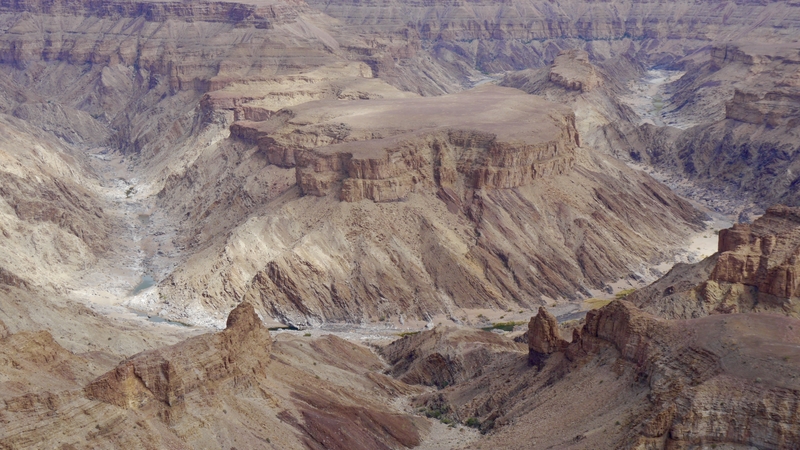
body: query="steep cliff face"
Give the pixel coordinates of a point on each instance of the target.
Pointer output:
(238, 356)
(286, 158)
(165, 81)
(754, 270)
(593, 87)
(737, 109)
(500, 36)
(418, 195)
(763, 255)
(544, 338)
(772, 109)
(573, 71)
(494, 149)
(730, 374)
(642, 382)
(235, 387)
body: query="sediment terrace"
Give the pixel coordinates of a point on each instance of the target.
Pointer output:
(490, 138)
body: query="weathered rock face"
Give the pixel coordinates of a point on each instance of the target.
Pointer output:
(219, 390)
(543, 337)
(722, 380)
(165, 376)
(410, 170)
(492, 150)
(772, 109)
(166, 80)
(496, 37)
(445, 356)
(258, 133)
(764, 254)
(753, 271)
(573, 71)
(737, 107)
(51, 223)
(692, 371)
(34, 358)
(625, 326)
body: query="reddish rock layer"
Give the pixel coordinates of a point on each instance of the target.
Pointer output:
(543, 337)
(166, 375)
(702, 390)
(764, 254)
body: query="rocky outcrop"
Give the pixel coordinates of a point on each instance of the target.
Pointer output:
(735, 114)
(721, 380)
(692, 370)
(165, 376)
(543, 337)
(384, 161)
(372, 248)
(230, 389)
(628, 328)
(764, 254)
(257, 132)
(754, 270)
(772, 109)
(573, 71)
(498, 38)
(445, 356)
(34, 366)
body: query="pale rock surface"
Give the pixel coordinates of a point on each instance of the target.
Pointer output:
(418, 195)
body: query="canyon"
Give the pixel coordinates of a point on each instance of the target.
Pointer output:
(283, 224)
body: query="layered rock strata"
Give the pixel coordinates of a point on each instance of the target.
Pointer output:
(486, 154)
(573, 71)
(232, 388)
(417, 195)
(496, 37)
(736, 110)
(772, 109)
(754, 270)
(543, 337)
(165, 376)
(764, 254)
(692, 370)
(539, 140)
(643, 382)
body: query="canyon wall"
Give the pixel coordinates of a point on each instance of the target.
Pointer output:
(754, 270)
(683, 395)
(170, 82)
(417, 195)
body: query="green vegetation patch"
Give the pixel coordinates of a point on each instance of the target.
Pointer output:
(597, 303)
(505, 326)
(407, 333)
(622, 294)
(473, 422)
